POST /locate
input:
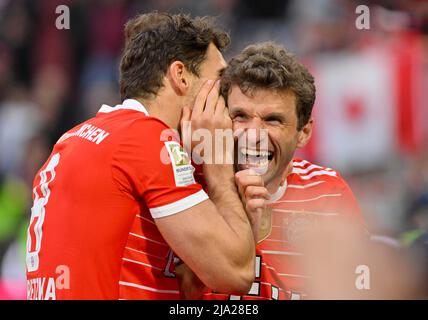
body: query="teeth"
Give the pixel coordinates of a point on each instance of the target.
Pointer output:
(255, 153)
(259, 163)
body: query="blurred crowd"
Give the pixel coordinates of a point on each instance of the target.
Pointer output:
(370, 112)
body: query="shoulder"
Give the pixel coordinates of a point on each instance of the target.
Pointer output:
(146, 130)
(128, 120)
(313, 186)
(148, 125)
(305, 173)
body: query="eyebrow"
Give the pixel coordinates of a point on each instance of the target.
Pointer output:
(277, 115)
(235, 110)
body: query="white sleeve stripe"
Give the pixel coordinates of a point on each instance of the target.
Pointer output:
(178, 206)
(130, 284)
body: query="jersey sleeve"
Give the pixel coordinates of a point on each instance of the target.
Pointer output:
(150, 165)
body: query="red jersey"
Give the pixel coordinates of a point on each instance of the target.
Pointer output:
(92, 233)
(310, 192)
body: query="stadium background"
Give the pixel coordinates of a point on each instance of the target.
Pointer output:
(370, 113)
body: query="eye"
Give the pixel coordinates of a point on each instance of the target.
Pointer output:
(274, 121)
(239, 117)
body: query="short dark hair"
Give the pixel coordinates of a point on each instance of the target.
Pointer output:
(155, 40)
(268, 65)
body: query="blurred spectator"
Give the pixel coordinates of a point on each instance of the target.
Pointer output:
(19, 121)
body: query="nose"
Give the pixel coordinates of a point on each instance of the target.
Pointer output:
(254, 123)
(254, 132)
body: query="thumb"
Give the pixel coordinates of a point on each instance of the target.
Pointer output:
(256, 224)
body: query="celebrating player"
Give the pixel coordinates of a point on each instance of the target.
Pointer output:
(116, 198)
(267, 88)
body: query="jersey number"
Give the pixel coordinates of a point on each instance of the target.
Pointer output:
(41, 197)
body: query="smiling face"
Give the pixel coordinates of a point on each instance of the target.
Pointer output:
(276, 112)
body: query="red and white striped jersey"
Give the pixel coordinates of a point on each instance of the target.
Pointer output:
(92, 233)
(310, 192)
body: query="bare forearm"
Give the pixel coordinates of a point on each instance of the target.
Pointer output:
(222, 259)
(224, 194)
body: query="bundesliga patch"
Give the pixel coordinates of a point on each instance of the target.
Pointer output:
(183, 170)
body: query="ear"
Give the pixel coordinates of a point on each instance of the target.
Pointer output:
(179, 77)
(305, 134)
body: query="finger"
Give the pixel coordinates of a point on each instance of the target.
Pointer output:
(253, 192)
(238, 184)
(246, 172)
(246, 180)
(185, 115)
(201, 98)
(212, 99)
(253, 206)
(226, 112)
(221, 108)
(185, 128)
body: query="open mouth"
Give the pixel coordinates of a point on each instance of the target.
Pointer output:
(255, 158)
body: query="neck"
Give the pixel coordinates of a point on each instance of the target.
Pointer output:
(273, 185)
(164, 108)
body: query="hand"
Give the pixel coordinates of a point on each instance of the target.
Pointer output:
(253, 195)
(191, 288)
(208, 114)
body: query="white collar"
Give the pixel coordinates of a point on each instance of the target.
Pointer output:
(278, 193)
(130, 104)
